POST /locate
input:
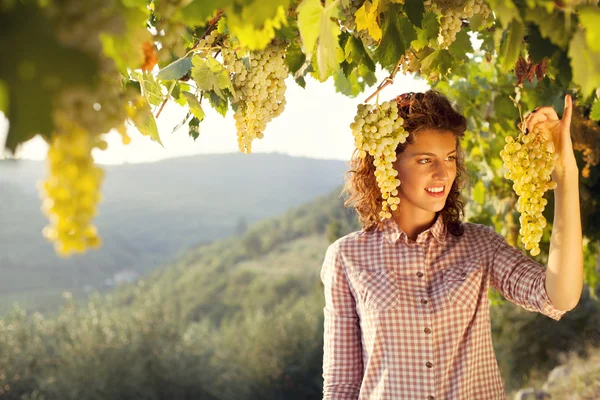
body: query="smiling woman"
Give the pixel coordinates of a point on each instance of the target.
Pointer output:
(406, 297)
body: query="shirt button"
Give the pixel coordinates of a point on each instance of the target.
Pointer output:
(427, 330)
(430, 398)
(420, 274)
(428, 364)
(423, 301)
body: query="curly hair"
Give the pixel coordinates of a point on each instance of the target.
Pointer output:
(420, 111)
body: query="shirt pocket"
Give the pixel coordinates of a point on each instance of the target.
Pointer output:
(462, 283)
(377, 288)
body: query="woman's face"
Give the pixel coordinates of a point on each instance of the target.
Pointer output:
(428, 163)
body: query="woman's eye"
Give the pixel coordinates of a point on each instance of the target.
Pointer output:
(452, 157)
(424, 159)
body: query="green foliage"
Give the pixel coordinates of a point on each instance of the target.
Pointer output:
(35, 67)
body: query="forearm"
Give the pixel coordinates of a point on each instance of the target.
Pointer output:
(564, 273)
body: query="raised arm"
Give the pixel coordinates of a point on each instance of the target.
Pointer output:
(342, 348)
(564, 273)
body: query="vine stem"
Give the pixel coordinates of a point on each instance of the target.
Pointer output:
(387, 81)
(167, 99)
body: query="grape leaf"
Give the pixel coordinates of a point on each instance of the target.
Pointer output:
(349, 85)
(315, 23)
(538, 46)
(511, 46)
(428, 31)
(595, 113)
(182, 122)
(309, 18)
(194, 128)
(258, 12)
(415, 10)
(144, 121)
(294, 57)
(218, 103)
(176, 69)
(249, 36)
(210, 75)
(584, 63)
(35, 67)
(398, 33)
(589, 16)
(505, 11)
(552, 25)
(437, 63)
(367, 75)
(198, 12)
(367, 18)
(151, 90)
(461, 46)
(194, 105)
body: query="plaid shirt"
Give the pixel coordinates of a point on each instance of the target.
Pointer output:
(410, 319)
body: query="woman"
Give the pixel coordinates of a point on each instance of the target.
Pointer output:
(406, 299)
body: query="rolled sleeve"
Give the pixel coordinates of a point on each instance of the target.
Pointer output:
(342, 348)
(520, 279)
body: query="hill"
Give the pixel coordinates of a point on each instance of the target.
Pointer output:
(151, 213)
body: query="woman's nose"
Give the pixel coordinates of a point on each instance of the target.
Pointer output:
(441, 171)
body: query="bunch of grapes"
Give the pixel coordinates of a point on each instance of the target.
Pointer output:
(452, 12)
(378, 130)
(260, 89)
(72, 190)
(170, 32)
(81, 115)
(530, 160)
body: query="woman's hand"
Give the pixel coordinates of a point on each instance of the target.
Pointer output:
(558, 131)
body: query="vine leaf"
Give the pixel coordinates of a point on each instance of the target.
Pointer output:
(144, 121)
(590, 19)
(511, 46)
(175, 70)
(194, 105)
(198, 12)
(194, 128)
(367, 18)
(398, 33)
(584, 63)
(506, 11)
(209, 75)
(316, 25)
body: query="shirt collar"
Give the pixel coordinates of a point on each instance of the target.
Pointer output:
(392, 232)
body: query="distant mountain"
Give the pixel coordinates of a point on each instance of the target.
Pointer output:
(150, 213)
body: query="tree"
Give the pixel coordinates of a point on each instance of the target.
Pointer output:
(88, 69)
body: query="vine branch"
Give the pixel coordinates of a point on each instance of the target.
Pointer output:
(387, 81)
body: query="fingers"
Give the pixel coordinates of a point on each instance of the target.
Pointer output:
(533, 119)
(568, 113)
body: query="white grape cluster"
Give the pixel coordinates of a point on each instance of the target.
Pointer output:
(378, 130)
(451, 15)
(530, 160)
(72, 190)
(170, 33)
(260, 89)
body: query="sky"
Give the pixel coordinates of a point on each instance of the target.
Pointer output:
(315, 124)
